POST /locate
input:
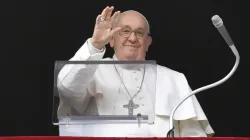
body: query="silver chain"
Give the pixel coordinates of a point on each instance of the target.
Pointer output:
(126, 87)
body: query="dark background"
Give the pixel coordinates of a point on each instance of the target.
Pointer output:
(35, 33)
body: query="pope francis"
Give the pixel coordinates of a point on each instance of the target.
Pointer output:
(105, 90)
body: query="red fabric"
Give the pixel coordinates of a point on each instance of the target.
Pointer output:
(94, 138)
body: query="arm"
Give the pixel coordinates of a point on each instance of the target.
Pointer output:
(74, 79)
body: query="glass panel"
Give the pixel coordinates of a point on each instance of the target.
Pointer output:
(104, 92)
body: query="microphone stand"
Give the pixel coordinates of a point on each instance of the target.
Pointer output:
(171, 126)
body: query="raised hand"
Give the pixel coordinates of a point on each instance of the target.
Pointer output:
(103, 31)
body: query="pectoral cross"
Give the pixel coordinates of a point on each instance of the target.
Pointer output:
(131, 106)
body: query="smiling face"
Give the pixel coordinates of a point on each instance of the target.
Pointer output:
(132, 42)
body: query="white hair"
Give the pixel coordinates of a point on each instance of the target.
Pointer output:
(146, 21)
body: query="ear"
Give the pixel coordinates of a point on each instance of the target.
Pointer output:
(149, 41)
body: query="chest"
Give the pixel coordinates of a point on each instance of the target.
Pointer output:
(117, 87)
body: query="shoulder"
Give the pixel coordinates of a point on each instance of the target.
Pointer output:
(172, 77)
(167, 74)
(167, 71)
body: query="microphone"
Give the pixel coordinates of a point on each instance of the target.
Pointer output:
(218, 23)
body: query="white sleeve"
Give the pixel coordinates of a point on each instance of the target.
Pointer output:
(93, 50)
(191, 128)
(74, 79)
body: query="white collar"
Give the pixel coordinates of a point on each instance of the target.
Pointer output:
(131, 66)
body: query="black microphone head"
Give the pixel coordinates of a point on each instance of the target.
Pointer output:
(217, 21)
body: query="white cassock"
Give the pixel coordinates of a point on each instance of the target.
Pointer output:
(99, 91)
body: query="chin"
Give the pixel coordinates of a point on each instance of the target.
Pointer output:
(130, 54)
(130, 57)
(134, 58)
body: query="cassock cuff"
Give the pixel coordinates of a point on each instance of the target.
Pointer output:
(92, 49)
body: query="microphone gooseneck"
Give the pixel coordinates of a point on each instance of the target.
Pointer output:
(218, 23)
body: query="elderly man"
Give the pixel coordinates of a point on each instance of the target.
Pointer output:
(128, 34)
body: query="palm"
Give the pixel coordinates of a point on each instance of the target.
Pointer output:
(103, 29)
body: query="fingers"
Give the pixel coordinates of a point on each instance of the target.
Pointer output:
(115, 15)
(98, 18)
(104, 12)
(106, 15)
(112, 32)
(109, 12)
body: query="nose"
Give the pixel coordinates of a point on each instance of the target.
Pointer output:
(132, 37)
